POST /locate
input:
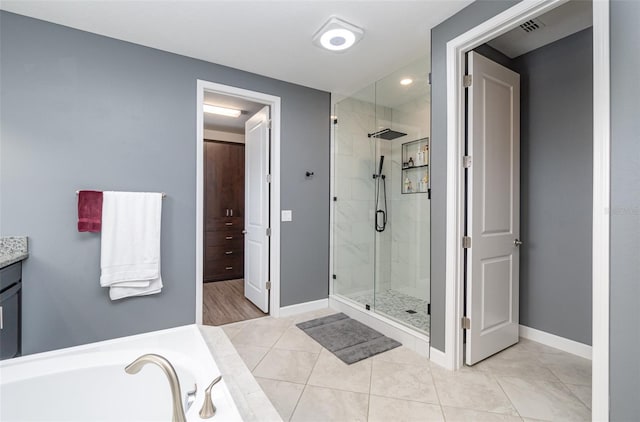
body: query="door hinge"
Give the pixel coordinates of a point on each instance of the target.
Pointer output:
(269, 124)
(466, 323)
(467, 80)
(268, 285)
(466, 242)
(466, 161)
(268, 178)
(268, 231)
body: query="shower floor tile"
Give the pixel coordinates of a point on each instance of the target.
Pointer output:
(395, 305)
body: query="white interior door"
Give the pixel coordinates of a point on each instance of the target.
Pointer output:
(256, 240)
(493, 208)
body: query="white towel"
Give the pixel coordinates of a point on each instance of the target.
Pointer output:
(130, 247)
(154, 286)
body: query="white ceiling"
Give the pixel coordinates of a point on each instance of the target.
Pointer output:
(226, 123)
(271, 38)
(556, 24)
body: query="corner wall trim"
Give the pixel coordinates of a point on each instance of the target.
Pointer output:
(300, 308)
(439, 358)
(601, 204)
(552, 340)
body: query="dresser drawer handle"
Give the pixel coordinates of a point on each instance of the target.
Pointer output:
(228, 224)
(228, 252)
(229, 237)
(229, 268)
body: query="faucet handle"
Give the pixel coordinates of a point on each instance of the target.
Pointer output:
(208, 409)
(190, 398)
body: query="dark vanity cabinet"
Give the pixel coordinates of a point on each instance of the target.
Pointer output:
(10, 310)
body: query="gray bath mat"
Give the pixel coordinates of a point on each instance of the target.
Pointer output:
(347, 338)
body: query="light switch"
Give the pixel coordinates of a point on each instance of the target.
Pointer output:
(287, 215)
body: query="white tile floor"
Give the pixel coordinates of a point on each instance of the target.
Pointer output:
(306, 382)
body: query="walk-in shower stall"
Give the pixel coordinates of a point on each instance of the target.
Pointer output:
(381, 199)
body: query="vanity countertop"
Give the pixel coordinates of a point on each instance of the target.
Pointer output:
(12, 250)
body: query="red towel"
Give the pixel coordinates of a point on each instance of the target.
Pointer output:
(89, 211)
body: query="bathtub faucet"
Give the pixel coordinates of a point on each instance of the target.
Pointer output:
(135, 367)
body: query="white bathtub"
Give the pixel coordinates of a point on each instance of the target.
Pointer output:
(88, 383)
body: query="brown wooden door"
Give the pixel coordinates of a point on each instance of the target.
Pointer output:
(223, 210)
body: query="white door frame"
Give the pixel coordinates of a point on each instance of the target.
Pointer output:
(455, 56)
(274, 255)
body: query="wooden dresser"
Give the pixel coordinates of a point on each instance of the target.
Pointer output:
(223, 211)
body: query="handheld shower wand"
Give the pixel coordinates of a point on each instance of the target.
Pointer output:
(381, 214)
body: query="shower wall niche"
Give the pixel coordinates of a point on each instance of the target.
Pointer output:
(381, 236)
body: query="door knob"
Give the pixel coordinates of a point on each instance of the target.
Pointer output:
(517, 242)
(244, 232)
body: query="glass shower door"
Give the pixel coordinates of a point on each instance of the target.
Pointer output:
(381, 235)
(402, 279)
(353, 229)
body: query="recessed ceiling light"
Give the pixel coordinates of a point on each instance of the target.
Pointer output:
(406, 81)
(222, 111)
(337, 35)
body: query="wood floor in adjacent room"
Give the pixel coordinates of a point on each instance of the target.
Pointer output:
(224, 303)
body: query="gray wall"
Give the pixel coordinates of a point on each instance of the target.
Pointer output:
(467, 18)
(84, 111)
(625, 212)
(556, 163)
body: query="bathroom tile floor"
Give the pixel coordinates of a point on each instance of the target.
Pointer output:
(305, 382)
(395, 304)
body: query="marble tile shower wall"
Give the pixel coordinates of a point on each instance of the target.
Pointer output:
(410, 216)
(383, 239)
(354, 251)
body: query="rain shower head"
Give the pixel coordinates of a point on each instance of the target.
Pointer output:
(386, 134)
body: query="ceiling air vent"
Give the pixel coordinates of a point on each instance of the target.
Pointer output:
(531, 25)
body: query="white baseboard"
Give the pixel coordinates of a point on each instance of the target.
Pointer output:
(301, 308)
(552, 340)
(438, 357)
